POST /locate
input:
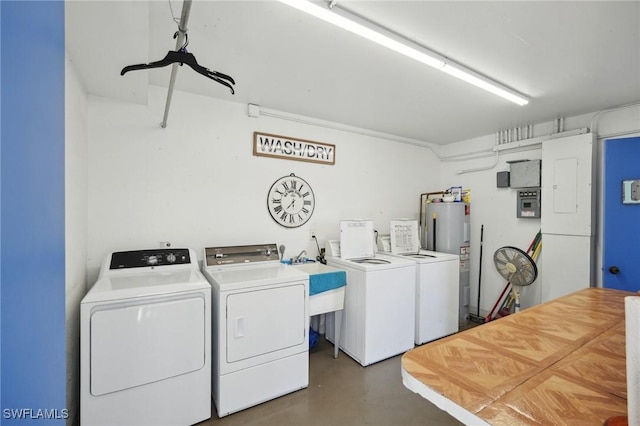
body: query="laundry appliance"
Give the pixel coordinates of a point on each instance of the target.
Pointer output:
(145, 350)
(379, 313)
(260, 345)
(437, 281)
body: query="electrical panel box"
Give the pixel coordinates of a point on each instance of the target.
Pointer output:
(528, 206)
(568, 195)
(525, 174)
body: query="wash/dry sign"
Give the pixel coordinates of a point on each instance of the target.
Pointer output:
(267, 145)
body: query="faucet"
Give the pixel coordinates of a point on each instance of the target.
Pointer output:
(298, 258)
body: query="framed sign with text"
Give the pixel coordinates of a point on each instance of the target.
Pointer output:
(287, 148)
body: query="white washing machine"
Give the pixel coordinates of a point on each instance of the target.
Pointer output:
(260, 326)
(145, 330)
(379, 313)
(437, 281)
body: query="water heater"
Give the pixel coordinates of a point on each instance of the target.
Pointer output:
(446, 228)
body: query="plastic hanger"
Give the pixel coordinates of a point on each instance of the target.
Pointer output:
(181, 56)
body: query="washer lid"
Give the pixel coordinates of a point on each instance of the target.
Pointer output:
(383, 262)
(405, 236)
(356, 239)
(147, 283)
(419, 256)
(371, 260)
(436, 256)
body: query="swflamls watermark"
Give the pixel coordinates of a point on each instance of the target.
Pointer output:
(35, 413)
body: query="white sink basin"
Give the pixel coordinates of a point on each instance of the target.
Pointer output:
(315, 268)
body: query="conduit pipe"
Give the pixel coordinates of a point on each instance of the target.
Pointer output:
(597, 116)
(256, 111)
(480, 169)
(182, 31)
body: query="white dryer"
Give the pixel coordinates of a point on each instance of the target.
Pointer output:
(260, 326)
(145, 329)
(379, 313)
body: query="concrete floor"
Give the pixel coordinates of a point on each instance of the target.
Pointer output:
(342, 392)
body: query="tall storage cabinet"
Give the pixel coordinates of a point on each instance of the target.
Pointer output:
(568, 215)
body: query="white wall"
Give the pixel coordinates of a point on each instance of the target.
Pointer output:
(196, 183)
(75, 229)
(495, 208)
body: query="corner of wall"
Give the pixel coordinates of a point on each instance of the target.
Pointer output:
(76, 212)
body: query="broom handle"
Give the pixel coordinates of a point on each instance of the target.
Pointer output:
(536, 252)
(434, 231)
(480, 267)
(535, 241)
(490, 315)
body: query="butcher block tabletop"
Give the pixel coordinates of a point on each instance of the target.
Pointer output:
(560, 362)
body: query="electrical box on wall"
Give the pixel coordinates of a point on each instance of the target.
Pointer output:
(525, 174)
(502, 179)
(528, 206)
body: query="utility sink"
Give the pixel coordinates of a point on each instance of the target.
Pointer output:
(313, 268)
(322, 277)
(326, 291)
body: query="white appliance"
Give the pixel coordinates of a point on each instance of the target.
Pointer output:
(437, 282)
(260, 345)
(379, 313)
(145, 330)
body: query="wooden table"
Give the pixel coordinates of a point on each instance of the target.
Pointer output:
(561, 362)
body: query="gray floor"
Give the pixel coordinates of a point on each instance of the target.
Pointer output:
(341, 392)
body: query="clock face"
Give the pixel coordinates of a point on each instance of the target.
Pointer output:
(291, 201)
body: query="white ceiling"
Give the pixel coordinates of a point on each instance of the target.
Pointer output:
(571, 58)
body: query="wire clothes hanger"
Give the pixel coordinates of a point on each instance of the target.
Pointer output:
(181, 56)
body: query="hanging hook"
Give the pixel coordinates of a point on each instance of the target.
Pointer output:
(183, 48)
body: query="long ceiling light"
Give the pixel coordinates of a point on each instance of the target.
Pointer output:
(390, 40)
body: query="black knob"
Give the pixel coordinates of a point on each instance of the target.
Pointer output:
(614, 270)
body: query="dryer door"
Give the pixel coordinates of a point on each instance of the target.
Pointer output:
(263, 322)
(142, 342)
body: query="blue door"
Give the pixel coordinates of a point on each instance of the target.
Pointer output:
(621, 250)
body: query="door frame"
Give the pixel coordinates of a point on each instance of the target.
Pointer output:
(602, 271)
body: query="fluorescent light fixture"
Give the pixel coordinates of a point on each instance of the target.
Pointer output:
(483, 82)
(390, 40)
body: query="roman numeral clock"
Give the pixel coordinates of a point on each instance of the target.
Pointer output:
(291, 201)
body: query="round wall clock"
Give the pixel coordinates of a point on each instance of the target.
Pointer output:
(291, 201)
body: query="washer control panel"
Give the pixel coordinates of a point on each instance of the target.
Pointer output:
(233, 255)
(152, 257)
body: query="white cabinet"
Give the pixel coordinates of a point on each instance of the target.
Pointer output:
(568, 213)
(567, 190)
